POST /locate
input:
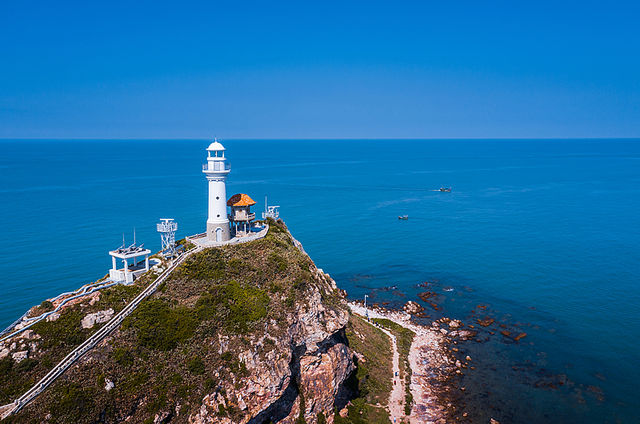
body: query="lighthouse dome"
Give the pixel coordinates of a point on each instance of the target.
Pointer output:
(215, 146)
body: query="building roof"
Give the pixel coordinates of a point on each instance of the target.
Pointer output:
(215, 146)
(240, 199)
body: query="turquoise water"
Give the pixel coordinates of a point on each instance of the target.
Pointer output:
(543, 232)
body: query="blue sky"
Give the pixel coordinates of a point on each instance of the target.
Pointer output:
(319, 69)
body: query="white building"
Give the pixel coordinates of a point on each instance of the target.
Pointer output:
(216, 170)
(128, 272)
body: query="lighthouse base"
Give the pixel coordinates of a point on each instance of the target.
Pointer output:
(218, 231)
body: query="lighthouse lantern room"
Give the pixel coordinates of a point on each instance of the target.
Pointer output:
(216, 170)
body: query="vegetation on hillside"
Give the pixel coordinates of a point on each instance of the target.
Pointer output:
(185, 340)
(404, 339)
(56, 338)
(373, 378)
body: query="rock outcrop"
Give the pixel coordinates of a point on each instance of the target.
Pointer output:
(252, 333)
(96, 318)
(311, 362)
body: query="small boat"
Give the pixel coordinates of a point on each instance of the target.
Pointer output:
(403, 217)
(445, 189)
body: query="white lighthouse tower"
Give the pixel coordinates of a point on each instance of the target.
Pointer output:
(216, 170)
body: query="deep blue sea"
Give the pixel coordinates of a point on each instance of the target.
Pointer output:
(543, 233)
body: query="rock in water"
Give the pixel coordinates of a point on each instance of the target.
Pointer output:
(412, 307)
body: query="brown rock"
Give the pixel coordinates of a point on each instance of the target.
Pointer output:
(485, 322)
(426, 295)
(520, 336)
(412, 307)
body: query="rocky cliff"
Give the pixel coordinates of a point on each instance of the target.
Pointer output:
(251, 333)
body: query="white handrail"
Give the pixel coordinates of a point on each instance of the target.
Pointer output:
(82, 292)
(91, 342)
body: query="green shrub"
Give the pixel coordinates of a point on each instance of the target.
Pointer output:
(117, 296)
(71, 402)
(275, 287)
(66, 330)
(299, 283)
(408, 402)
(100, 380)
(300, 419)
(133, 382)
(236, 265)
(123, 356)
(46, 306)
(277, 262)
(209, 384)
(6, 365)
(196, 366)
(26, 365)
(160, 327)
(206, 265)
(235, 305)
(291, 298)
(276, 227)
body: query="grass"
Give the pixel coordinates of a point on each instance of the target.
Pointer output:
(374, 374)
(235, 305)
(159, 326)
(12, 382)
(117, 297)
(404, 339)
(66, 331)
(73, 400)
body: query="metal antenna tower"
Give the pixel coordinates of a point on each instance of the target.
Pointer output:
(270, 211)
(167, 229)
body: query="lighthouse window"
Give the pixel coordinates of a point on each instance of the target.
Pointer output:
(217, 197)
(218, 215)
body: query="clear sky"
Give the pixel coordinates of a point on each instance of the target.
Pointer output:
(269, 69)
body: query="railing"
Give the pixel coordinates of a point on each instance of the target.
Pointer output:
(166, 227)
(91, 342)
(83, 291)
(242, 216)
(220, 167)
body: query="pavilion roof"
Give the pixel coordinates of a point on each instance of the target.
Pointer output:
(240, 199)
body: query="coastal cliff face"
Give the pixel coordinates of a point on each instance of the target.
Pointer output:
(312, 361)
(251, 333)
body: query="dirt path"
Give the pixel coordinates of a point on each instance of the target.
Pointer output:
(396, 398)
(425, 354)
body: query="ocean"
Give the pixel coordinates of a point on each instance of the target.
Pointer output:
(539, 235)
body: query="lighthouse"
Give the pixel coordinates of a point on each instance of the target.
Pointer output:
(216, 170)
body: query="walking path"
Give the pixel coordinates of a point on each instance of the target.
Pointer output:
(91, 342)
(425, 352)
(396, 398)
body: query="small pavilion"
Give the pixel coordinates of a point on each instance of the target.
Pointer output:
(128, 272)
(241, 215)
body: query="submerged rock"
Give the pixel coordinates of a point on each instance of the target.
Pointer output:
(520, 336)
(485, 322)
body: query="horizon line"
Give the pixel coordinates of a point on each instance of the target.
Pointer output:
(305, 138)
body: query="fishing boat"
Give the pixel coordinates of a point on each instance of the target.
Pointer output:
(445, 189)
(403, 217)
